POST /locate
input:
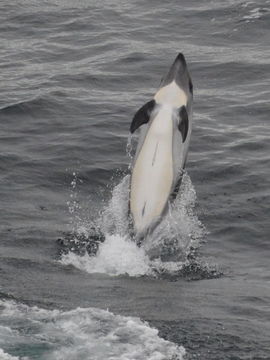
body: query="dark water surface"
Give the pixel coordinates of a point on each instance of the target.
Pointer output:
(72, 74)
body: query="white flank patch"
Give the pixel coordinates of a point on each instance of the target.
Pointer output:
(152, 175)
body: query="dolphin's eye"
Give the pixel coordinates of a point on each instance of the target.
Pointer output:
(190, 86)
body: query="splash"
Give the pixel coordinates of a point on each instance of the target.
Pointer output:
(80, 334)
(114, 218)
(180, 232)
(105, 246)
(116, 255)
(130, 148)
(73, 204)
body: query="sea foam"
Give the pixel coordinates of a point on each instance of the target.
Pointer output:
(79, 334)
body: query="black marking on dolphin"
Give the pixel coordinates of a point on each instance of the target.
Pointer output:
(190, 85)
(142, 116)
(177, 185)
(183, 122)
(143, 210)
(154, 157)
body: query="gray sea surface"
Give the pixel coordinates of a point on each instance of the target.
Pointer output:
(73, 285)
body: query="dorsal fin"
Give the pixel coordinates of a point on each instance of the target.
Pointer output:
(183, 122)
(142, 116)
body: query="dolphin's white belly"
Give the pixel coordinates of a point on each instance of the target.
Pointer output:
(152, 175)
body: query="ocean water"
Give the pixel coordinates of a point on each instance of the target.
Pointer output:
(73, 285)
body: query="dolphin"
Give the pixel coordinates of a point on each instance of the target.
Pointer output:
(165, 122)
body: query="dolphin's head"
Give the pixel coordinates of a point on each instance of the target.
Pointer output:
(180, 75)
(175, 91)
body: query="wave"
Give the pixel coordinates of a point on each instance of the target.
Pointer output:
(82, 333)
(38, 105)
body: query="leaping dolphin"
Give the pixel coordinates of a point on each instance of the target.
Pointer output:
(161, 153)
